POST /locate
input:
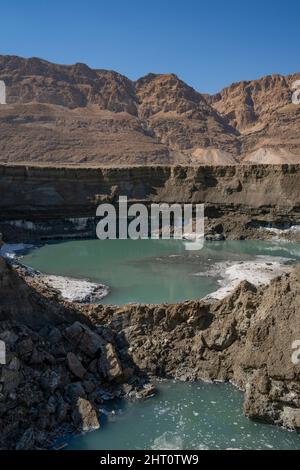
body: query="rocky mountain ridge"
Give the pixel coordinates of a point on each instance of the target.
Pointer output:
(58, 114)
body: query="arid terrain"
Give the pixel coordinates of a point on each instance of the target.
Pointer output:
(74, 115)
(71, 138)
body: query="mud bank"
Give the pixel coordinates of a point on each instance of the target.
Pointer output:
(240, 201)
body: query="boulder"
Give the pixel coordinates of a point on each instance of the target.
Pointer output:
(74, 391)
(61, 410)
(30, 394)
(291, 417)
(14, 364)
(75, 366)
(147, 391)
(9, 337)
(50, 380)
(84, 338)
(11, 379)
(27, 440)
(109, 363)
(85, 416)
(25, 347)
(222, 336)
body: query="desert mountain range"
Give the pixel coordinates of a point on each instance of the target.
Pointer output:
(72, 114)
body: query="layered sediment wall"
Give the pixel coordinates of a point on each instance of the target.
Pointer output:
(264, 194)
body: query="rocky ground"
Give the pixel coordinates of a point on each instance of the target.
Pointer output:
(59, 367)
(64, 360)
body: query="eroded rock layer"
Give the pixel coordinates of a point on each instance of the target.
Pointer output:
(239, 200)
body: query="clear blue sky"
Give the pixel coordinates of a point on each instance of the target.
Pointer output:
(209, 44)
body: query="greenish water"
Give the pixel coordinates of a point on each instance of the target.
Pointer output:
(182, 416)
(151, 271)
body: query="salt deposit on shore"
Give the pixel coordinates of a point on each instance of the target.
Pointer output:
(73, 290)
(76, 290)
(259, 272)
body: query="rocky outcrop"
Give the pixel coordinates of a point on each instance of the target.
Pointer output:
(263, 113)
(246, 338)
(86, 416)
(58, 114)
(21, 303)
(181, 118)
